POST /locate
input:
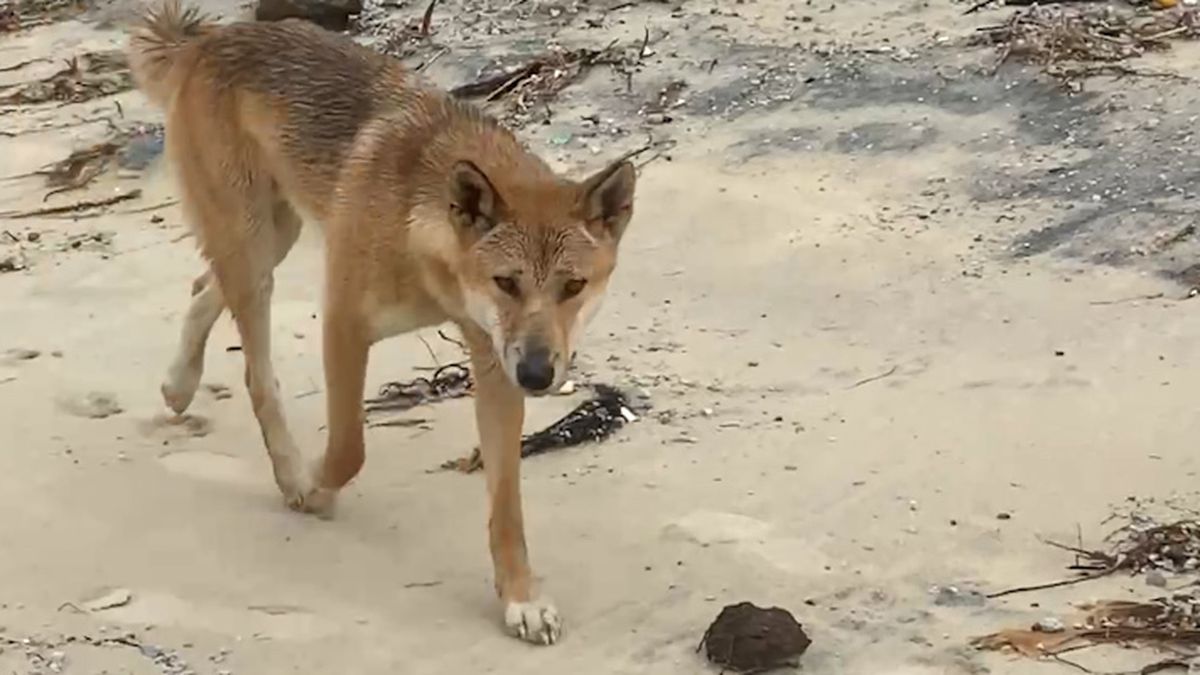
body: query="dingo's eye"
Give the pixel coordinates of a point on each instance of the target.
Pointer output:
(508, 285)
(573, 288)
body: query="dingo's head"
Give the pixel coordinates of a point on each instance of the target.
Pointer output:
(538, 258)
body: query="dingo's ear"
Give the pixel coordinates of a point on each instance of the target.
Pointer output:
(474, 204)
(608, 198)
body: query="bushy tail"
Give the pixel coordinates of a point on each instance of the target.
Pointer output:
(157, 44)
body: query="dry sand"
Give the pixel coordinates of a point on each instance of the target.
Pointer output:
(880, 219)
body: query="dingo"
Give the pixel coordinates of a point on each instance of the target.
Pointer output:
(432, 213)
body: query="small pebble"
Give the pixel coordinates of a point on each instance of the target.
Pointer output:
(1049, 624)
(1156, 579)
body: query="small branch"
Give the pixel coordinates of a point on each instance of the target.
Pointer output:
(427, 19)
(21, 64)
(1053, 584)
(72, 208)
(1118, 301)
(891, 371)
(978, 6)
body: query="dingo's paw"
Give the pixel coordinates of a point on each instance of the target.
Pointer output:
(536, 622)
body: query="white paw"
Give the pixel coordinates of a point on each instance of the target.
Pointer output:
(535, 622)
(180, 387)
(321, 502)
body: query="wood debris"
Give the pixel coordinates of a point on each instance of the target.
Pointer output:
(1135, 547)
(85, 77)
(20, 15)
(1167, 623)
(1072, 35)
(527, 89)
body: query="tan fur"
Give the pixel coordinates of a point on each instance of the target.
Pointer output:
(432, 213)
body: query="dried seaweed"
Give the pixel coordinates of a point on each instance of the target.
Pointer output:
(452, 380)
(593, 420)
(85, 77)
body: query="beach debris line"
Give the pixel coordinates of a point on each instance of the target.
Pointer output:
(1068, 40)
(1136, 547)
(1167, 623)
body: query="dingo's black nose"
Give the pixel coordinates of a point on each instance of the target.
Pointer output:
(535, 370)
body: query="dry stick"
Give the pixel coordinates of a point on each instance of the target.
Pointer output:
(447, 338)
(147, 209)
(20, 65)
(425, 64)
(77, 206)
(1114, 70)
(978, 6)
(490, 85)
(1052, 584)
(1150, 296)
(1178, 30)
(429, 349)
(891, 371)
(427, 19)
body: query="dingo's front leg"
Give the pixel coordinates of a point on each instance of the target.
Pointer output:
(499, 413)
(346, 348)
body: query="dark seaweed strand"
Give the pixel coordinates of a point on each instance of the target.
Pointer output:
(590, 421)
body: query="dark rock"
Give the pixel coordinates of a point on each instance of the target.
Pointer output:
(331, 14)
(745, 638)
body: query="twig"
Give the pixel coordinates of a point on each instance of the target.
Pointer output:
(422, 584)
(1149, 296)
(650, 144)
(1003, 58)
(425, 64)
(429, 349)
(147, 209)
(21, 64)
(1156, 667)
(400, 423)
(1052, 584)
(978, 6)
(891, 371)
(1178, 30)
(71, 208)
(427, 19)
(447, 338)
(1026, 3)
